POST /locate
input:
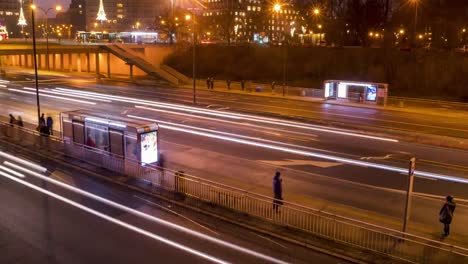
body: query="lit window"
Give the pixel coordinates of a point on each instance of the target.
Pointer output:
(79, 6)
(119, 16)
(254, 8)
(248, 8)
(259, 8)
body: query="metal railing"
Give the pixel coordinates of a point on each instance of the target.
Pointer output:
(389, 242)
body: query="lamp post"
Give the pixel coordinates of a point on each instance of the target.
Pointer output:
(277, 10)
(46, 12)
(33, 24)
(415, 3)
(188, 18)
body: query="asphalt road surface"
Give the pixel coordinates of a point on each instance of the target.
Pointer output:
(315, 181)
(37, 227)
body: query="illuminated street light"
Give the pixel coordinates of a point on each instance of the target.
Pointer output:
(57, 8)
(33, 24)
(137, 25)
(277, 8)
(402, 31)
(188, 17)
(420, 36)
(316, 11)
(371, 34)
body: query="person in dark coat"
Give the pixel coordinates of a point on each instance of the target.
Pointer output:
(50, 123)
(20, 121)
(208, 83)
(212, 83)
(277, 191)
(12, 120)
(446, 214)
(42, 120)
(242, 84)
(228, 82)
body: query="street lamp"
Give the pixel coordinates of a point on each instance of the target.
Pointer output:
(33, 8)
(188, 18)
(46, 11)
(415, 3)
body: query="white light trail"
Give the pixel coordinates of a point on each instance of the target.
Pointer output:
(2, 85)
(70, 95)
(114, 220)
(22, 161)
(191, 130)
(4, 81)
(227, 115)
(152, 218)
(17, 174)
(53, 96)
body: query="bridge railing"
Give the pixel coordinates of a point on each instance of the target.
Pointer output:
(389, 242)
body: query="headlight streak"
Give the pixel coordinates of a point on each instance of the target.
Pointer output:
(17, 174)
(148, 217)
(22, 161)
(70, 95)
(53, 96)
(227, 114)
(306, 153)
(114, 220)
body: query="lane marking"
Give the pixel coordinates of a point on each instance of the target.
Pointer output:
(149, 217)
(293, 162)
(271, 240)
(115, 221)
(175, 213)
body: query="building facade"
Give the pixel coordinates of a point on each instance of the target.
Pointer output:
(9, 15)
(124, 15)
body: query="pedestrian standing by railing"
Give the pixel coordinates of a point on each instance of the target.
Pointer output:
(242, 85)
(228, 82)
(20, 121)
(12, 120)
(212, 83)
(273, 87)
(50, 123)
(208, 80)
(277, 191)
(446, 214)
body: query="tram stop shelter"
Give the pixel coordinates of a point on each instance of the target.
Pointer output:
(364, 92)
(117, 143)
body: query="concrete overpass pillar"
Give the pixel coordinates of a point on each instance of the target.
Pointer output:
(70, 62)
(39, 61)
(78, 62)
(88, 63)
(26, 60)
(131, 72)
(20, 60)
(98, 70)
(54, 62)
(61, 61)
(108, 65)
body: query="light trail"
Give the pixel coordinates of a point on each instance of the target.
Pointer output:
(17, 174)
(23, 161)
(114, 220)
(191, 130)
(71, 95)
(142, 215)
(226, 114)
(52, 96)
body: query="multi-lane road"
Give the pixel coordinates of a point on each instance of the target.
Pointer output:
(59, 215)
(345, 171)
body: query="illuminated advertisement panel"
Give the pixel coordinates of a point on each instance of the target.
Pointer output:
(342, 90)
(327, 89)
(149, 147)
(371, 93)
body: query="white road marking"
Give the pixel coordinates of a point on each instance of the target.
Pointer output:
(271, 240)
(292, 162)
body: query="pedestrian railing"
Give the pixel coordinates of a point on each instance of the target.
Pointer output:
(393, 243)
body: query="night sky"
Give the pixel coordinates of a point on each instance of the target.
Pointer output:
(51, 3)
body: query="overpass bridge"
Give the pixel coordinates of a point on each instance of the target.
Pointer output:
(104, 60)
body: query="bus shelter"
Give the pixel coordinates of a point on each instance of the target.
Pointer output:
(364, 92)
(113, 142)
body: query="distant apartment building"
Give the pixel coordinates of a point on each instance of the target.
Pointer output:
(9, 15)
(124, 15)
(248, 20)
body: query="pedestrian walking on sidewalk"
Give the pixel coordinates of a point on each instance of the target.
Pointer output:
(228, 82)
(446, 214)
(242, 84)
(208, 83)
(277, 191)
(212, 83)
(12, 120)
(50, 123)
(273, 87)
